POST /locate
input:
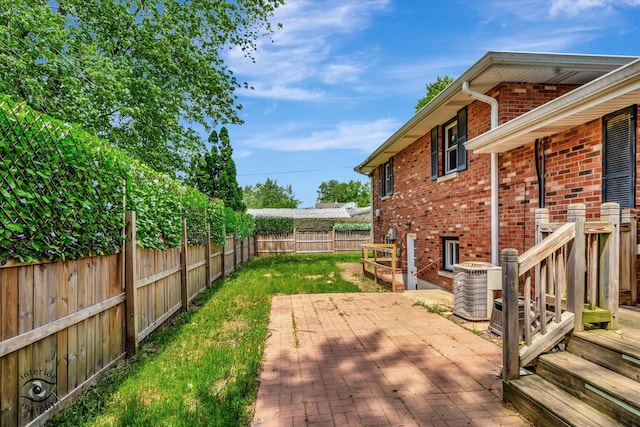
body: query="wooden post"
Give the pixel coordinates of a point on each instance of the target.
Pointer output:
(130, 279)
(576, 264)
(610, 262)
(295, 242)
(630, 253)
(540, 283)
(224, 256)
(333, 240)
(184, 290)
(510, 314)
(242, 251)
(207, 256)
(235, 251)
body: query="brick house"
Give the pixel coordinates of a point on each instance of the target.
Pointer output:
(460, 181)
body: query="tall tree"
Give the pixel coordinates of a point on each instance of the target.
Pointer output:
(214, 173)
(433, 89)
(139, 73)
(345, 192)
(269, 195)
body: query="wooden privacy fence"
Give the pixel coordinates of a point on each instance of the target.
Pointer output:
(62, 324)
(308, 242)
(572, 276)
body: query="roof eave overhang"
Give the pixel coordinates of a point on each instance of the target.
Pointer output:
(414, 128)
(611, 92)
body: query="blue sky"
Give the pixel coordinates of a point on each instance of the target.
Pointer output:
(341, 76)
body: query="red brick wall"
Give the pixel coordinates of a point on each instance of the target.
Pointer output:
(460, 207)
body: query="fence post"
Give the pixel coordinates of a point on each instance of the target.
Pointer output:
(235, 251)
(576, 264)
(184, 290)
(610, 262)
(130, 278)
(510, 314)
(242, 251)
(333, 240)
(224, 256)
(295, 242)
(207, 256)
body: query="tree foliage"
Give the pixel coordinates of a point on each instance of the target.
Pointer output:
(137, 73)
(345, 192)
(433, 89)
(269, 195)
(214, 173)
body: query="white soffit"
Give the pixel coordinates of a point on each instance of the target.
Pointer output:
(611, 92)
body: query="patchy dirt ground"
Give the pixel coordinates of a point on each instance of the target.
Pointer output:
(352, 272)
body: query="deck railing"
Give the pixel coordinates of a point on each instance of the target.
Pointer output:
(381, 259)
(575, 271)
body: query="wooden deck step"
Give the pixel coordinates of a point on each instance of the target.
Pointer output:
(598, 386)
(546, 404)
(612, 349)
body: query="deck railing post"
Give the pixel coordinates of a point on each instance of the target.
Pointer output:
(576, 264)
(628, 253)
(510, 312)
(542, 217)
(610, 262)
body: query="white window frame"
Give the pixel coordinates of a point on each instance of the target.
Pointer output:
(451, 252)
(450, 146)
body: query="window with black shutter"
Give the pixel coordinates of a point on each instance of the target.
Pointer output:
(454, 154)
(618, 157)
(462, 138)
(385, 178)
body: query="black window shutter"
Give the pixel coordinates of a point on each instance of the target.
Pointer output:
(381, 181)
(462, 138)
(390, 189)
(619, 146)
(434, 153)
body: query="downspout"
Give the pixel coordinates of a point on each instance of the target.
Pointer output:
(371, 233)
(495, 223)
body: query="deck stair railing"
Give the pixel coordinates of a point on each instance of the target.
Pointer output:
(574, 268)
(380, 259)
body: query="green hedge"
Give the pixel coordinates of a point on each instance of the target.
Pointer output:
(273, 225)
(352, 226)
(66, 191)
(276, 225)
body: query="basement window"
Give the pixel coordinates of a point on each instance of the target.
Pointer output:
(450, 252)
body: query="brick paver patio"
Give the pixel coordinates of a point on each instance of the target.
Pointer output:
(375, 360)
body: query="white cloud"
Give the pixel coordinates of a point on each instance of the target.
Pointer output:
(240, 154)
(364, 136)
(303, 52)
(575, 8)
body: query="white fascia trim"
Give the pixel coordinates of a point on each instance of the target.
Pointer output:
(610, 86)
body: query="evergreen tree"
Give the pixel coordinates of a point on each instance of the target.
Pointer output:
(214, 173)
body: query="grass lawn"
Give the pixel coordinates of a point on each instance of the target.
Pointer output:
(204, 368)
